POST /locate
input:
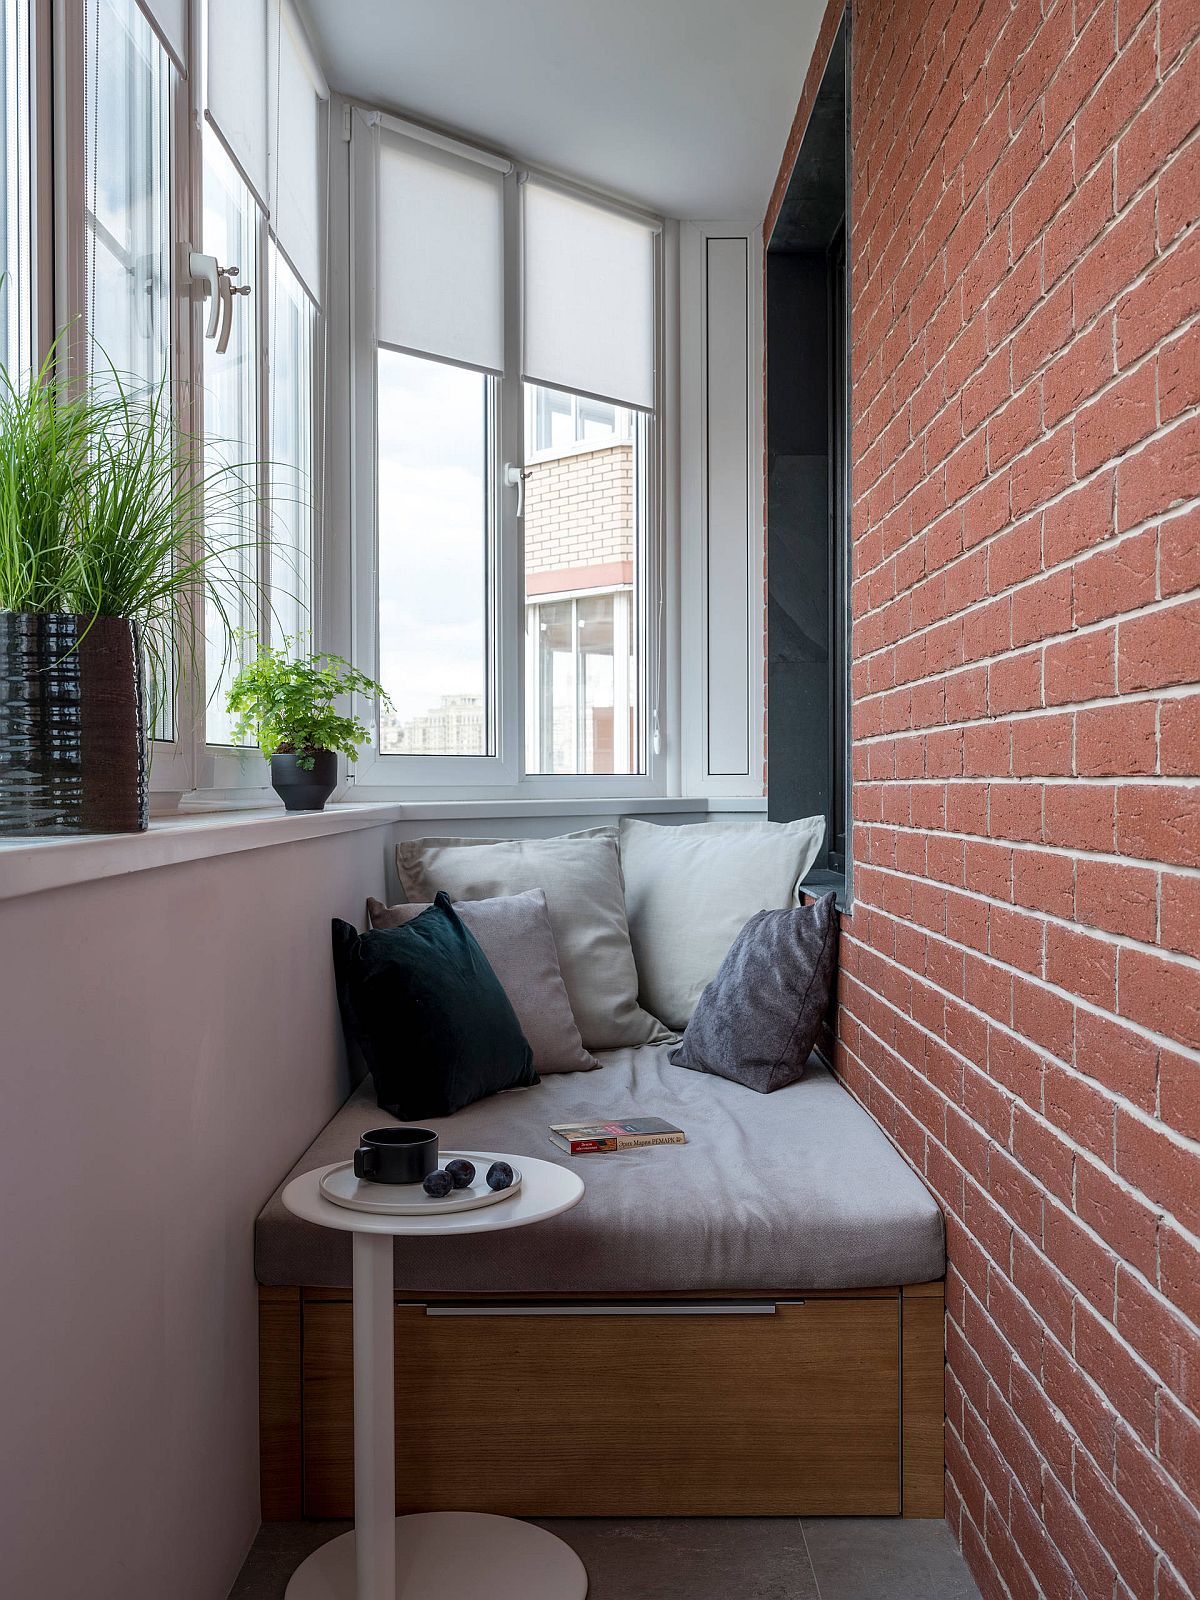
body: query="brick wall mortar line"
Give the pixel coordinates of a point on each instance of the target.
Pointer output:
(1072, 851)
(1160, 1040)
(1038, 242)
(1119, 941)
(1185, 1144)
(1131, 1191)
(1120, 375)
(1035, 1378)
(1068, 563)
(1107, 1473)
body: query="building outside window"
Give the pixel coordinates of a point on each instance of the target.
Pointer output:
(583, 503)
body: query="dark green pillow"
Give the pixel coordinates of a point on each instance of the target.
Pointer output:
(427, 1012)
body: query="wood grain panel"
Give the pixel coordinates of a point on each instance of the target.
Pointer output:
(785, 1415)
(923, 1346)
(279, 1404)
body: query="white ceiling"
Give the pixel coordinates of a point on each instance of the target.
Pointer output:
(682, 104)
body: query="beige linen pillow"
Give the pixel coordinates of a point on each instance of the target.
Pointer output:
(689, 892)
(514, 933)
(585, 899)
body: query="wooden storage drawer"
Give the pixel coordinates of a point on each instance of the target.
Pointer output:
(603, 1413)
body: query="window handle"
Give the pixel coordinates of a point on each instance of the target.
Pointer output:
(228, 290)
(204, 270)
(514, 478)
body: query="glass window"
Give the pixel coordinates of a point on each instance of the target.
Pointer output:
(16, 332)
(127, 219)
(584, 512)
(562, 421)
(434, 519)
(292, 336)
(580, 670)
(231, 428)
(127, 194)
(505, 515)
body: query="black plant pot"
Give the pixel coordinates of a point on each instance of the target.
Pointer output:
(72, 725)
(304, 788)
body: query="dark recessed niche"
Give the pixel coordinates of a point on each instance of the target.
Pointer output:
(807, 476)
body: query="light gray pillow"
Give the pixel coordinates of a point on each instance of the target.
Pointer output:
(758, 1020)
(689, 892)
(514, 933)
(585, 897)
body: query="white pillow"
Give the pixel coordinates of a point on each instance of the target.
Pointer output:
(689, 892)
(581, 878)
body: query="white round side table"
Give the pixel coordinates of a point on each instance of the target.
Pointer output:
(387, 1557)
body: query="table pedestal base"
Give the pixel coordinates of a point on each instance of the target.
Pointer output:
(454, 1553)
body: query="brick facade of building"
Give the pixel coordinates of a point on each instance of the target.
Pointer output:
(579, 512)
(1019, 997)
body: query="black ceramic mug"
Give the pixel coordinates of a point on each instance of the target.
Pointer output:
(396, 1155)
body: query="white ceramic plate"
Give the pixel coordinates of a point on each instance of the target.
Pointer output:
(409, 1199)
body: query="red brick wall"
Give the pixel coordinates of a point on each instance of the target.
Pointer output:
(1020, 988)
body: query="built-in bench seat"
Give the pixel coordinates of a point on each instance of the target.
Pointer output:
(784, 1192)
(750, 1323)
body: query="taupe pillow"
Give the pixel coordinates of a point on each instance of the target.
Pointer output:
(689, 891)
(758, 1020)
(514, 933)
(585, 897)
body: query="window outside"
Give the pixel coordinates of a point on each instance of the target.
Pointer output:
(584, 508)
(16, 331)
(292, 336)
(231, 425)
(434, 517)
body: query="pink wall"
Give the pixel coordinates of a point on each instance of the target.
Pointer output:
(170, 1043)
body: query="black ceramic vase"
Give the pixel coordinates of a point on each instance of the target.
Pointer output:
(72, 725)
(304, 788)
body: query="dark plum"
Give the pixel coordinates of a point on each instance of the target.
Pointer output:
(499, 1175)
(438, 1185)
(462, 1173)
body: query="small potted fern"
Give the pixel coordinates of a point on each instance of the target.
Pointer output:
(286, 705)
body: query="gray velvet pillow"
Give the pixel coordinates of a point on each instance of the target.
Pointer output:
(757, 1021)
(514, 934)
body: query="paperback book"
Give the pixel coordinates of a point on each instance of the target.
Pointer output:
(599, 1138)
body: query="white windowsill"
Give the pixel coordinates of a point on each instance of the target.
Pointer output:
(31, 866)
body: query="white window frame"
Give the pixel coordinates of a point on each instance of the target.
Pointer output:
(501, 775)
(186, 765)
(172, 761)
(233, 774)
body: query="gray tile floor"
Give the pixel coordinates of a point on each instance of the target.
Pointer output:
(703, 1558)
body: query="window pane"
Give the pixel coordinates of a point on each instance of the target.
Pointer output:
(231, 428)
(127, 219)
(583, 516)
(128, 190)
(16, 333)
(434, 498)
(291, 333)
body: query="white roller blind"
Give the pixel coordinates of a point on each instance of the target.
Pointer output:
(588, 297)
(236, 88)
(295, 91)
(441, 254)
(168, 18)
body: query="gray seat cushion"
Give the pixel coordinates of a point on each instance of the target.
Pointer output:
(792, 1191)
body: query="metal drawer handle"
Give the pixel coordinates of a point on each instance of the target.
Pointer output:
(617, 1308)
